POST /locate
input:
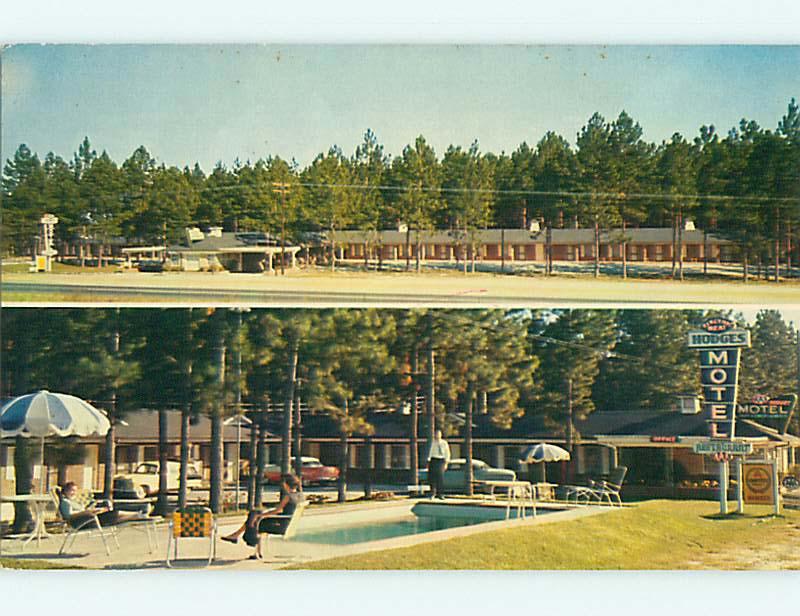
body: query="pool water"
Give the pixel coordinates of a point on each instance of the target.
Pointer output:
(347, 535)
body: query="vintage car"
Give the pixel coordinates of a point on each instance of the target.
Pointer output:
(455, 475)
(314, 472)
(143, 481)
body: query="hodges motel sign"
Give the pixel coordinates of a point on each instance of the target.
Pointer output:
(719, 342)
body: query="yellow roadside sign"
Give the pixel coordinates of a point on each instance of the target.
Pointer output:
(758, 484)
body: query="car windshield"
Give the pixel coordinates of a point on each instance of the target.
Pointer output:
(311, 463)
(147, 468)
(479, 464)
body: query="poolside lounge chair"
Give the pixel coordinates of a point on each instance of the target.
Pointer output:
(192, 523)
(91, 526)
(290, 529)
(600, 491)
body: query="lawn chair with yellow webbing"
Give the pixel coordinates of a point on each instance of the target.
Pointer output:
(192, 523)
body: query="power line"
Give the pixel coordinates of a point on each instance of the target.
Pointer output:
(616, 196)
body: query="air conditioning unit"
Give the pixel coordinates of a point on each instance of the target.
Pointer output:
(402, 227)
(215, 232)
(534, 226)
(688, 225)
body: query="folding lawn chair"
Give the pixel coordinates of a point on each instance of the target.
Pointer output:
(90, 526)
(289, 531)
(194, 522)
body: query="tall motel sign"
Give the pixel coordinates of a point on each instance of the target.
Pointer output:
(720, 345)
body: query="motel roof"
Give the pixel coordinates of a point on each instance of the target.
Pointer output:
(229, 242)
(642, 235)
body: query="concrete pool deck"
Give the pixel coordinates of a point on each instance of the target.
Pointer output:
(133, 555)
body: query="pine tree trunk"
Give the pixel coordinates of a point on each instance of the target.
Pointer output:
(414, 429)
(217, 412)
(680, 243)
(430, 399)
(418, 255)
(408, 248)
(163, 454)
(624, 251)
(261, 461)
(596, 247)
(286, 436)
(502, 250)
(344, 461)
(745, 267)
(674, 242)
(297, 444)
(252, 460)
(108, 462)
(705, 253)
(183, 490)
(23, 473)
(777, 248)
(333, 252)
(549, 250)
(468, 440)
(370, 450)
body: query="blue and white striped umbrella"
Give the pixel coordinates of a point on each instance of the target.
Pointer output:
(544, 452)
(44, 414)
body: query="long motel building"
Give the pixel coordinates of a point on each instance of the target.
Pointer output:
(530, 245)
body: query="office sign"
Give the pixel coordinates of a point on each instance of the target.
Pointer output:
(719, 343)
(758, 483)
(723, 446)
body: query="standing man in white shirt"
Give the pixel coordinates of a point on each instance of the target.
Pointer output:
(438, 459)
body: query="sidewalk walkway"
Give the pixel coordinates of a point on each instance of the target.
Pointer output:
(88, 551)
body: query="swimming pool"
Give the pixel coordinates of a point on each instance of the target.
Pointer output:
(385, 529)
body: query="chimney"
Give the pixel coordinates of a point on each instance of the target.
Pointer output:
(688, 404)
(193, 234)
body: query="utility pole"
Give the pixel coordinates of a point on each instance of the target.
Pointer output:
(282, 188)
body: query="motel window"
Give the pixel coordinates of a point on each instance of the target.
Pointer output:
(399, 458)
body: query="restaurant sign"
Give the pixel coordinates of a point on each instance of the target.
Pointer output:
(723, 446)
(719, 343)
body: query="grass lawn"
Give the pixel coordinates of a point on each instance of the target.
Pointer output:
(24, 563)
(60, 268)
(652, 535)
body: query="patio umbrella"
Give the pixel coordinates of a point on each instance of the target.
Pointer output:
(44, 414)
(544, 452)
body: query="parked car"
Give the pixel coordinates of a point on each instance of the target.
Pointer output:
(151, 265)
(455, 475)
(314, 472)
(144, 480)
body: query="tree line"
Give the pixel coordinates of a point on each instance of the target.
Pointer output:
(515, 366)
(743, 185)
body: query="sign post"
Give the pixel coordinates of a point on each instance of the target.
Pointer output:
(719, 342)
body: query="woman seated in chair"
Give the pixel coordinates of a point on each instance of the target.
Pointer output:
(76, 515)
(265, 521)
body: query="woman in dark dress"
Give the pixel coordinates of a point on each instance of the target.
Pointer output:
(265, 521)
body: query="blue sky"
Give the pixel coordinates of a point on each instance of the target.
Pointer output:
(212, 103)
